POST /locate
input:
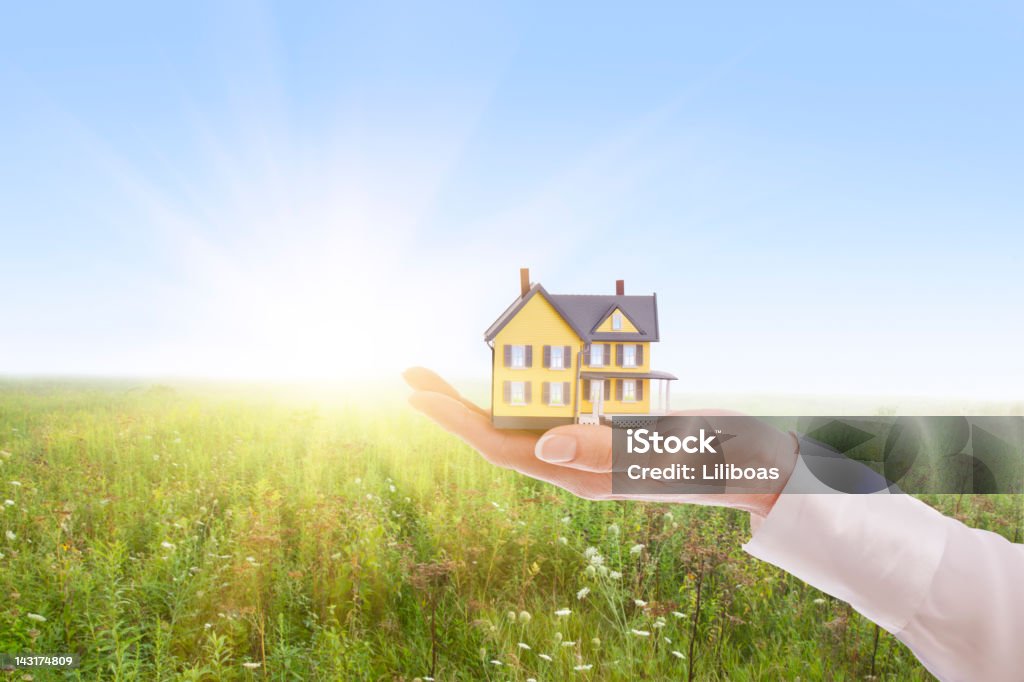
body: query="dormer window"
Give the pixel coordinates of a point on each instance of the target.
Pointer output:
(617, 321)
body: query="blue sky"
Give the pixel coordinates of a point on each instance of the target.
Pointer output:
(826, 199)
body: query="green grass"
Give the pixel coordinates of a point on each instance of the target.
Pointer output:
(182, 533)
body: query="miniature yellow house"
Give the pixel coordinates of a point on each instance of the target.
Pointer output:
(562, 359)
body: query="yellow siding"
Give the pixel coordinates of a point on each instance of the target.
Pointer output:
(613, 406)
(537, 324)
(643, 367)
(627, 326)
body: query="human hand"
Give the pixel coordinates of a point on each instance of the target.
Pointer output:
(578, 457)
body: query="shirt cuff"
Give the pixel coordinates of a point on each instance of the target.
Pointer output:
(877, 552)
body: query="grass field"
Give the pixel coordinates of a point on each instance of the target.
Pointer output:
(209, 533)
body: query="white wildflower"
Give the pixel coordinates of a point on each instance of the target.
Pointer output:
(545, 657)
(613, 529)
(10, 535)
(658, 624)
(678, 654)
(640, 633)
(524, 617)
(336, 556)
(819, 601)
(9, 503)
(678, 614)
(392, 488)
(252, 665)
(560, 612)
(582, 594)
(495, 661)
(563, 540)
(597, 560)
(590, 571)
(615, 575)
(568, 643)
(566, 519)
(524, 646)
(588, 666)
(636, 549)
(167, 545)
(36, 617)
(590, 551)
(207, 626)
(16, 484)
(640, 602)
(667, 640)
(512, 616)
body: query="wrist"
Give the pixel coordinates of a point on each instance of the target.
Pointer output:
(785, 460)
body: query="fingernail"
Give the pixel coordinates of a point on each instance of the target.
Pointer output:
(556, 449)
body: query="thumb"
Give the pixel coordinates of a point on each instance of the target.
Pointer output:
(577, 446)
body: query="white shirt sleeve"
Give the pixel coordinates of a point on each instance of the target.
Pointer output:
(954, 595)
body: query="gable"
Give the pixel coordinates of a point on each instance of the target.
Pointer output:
(608, 324)
(537, 320)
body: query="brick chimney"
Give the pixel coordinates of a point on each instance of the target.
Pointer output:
(620, 287)
(524, 281)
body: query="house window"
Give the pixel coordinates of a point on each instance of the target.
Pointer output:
(617, 322)
(519, 357)
(555, 396)
(597, 355)
(629, 355)
(557, 358)
(517, 392)
(629, 390)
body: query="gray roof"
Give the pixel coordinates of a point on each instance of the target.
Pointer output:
(653, 374)
(585, 312)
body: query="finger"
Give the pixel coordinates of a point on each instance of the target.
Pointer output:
(583, 447)
(423, 379)
(508, 449)
(498, 447)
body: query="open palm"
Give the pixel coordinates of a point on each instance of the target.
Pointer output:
(578, 458)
